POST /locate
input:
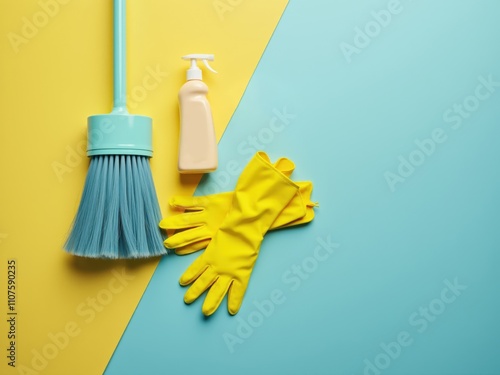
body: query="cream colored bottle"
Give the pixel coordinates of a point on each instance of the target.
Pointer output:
(197, 142)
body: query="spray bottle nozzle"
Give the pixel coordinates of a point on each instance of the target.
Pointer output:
(194, 72)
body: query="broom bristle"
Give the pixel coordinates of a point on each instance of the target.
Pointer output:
(119, 212)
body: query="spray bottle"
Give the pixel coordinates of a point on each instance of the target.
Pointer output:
(197, 143)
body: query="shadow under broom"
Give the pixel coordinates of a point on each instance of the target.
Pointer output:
(119, 212)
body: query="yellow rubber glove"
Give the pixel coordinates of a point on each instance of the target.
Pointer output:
(261, 193)
(205, 214)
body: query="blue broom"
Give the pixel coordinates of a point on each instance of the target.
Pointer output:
(119, 212)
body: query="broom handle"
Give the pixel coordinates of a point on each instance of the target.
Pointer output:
(120, 80)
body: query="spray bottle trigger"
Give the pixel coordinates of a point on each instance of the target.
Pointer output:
(194, 72)
(208, 66)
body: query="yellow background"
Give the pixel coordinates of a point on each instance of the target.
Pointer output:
(60, 74)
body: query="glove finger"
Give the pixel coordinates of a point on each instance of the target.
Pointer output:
(192, 248)
(188, 237)
(215, 295)
(182, 221)
(188, 202)
(194, 271)
(235, 297)
(286, 166)
(201, 284)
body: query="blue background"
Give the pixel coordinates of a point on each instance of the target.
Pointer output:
(397, 250)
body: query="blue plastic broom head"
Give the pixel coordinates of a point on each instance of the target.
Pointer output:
(119, 212)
